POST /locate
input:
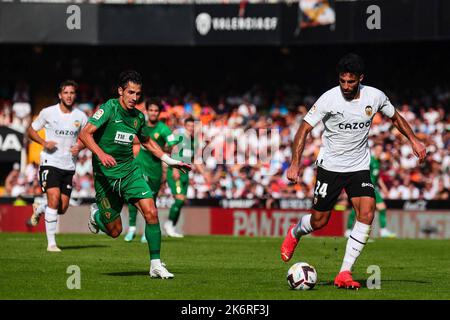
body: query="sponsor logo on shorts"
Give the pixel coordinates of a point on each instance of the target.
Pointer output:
(144, 193)
(98, 114)
(365, 184)
(315, 200)
(123, 137)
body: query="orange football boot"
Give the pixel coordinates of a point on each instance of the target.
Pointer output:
(344, 280)
(288, 245)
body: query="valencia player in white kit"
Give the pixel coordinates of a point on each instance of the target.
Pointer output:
(343, 162)
(62, 123)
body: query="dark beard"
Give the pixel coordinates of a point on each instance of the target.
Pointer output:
(350, 96)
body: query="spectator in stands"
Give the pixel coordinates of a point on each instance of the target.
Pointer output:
(11, 179)
(21, 108)
(5, 113)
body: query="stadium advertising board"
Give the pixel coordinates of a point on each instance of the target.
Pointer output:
(413, 223)
(269, 223)
(11, 143)
(233, 24)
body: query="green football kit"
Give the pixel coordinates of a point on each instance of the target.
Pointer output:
(184, 153)
(151, 166)
(124, 182)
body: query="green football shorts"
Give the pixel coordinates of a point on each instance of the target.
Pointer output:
(111, 194)
(180, 186)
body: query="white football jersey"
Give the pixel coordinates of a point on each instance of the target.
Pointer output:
(345, 145)
(63, 128)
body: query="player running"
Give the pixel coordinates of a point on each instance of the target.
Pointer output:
(177, 180)
(109, 134)
(151, 166)
(380, 205)
(344, 158)
(62, 123)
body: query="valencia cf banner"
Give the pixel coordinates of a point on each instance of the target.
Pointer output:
(11, 144)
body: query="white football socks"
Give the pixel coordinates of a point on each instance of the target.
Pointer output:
(355, 244)
(132, 229)
(42, 205)
(155, 263)
(303, 227)
(51, 219)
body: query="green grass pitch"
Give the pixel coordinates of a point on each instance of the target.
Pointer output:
(215, 267)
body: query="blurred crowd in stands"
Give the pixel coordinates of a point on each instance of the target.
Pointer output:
(264, 175)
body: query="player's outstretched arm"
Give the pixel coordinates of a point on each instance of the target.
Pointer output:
(402, 125)
(87, 138)
(154, 148)
(297, 150)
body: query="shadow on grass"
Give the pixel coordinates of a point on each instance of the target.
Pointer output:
(130, 273)
(364, 284)
(83, 247)
(127, 273)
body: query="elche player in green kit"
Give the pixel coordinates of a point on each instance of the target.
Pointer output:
(150, 165)
(109, 134)
(177, 180)
(375, 166)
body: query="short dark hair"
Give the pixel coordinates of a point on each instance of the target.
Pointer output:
(129, 76)
(67, 83)
(154, 101)
(351, 63)
(189, 119)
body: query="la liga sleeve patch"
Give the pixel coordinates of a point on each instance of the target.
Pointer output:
(98, 114)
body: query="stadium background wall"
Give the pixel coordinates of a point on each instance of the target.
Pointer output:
(416, 221)
(43, 23)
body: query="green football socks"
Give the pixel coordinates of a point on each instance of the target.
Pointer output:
(175, 210)
(153, 236)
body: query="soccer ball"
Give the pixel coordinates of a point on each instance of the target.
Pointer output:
(301, 276)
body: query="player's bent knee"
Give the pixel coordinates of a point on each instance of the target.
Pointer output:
(151, 215)
(366, 217)
(151, 218)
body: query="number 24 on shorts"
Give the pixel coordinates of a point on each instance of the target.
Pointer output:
(321, 189)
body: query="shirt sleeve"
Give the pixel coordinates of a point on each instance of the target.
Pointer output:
(170, 138)
(101, 116)
(40, 121)
(144, 133)
(317, 112)
(386, 106)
